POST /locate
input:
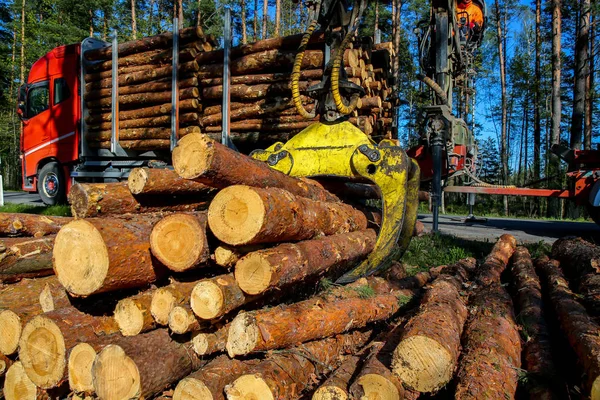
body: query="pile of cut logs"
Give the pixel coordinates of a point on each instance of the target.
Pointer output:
(219, 286)
(261, 108)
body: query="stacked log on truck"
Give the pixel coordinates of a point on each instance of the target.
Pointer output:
(138, 305)
(261, 109)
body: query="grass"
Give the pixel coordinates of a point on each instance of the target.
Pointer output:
(61, 211)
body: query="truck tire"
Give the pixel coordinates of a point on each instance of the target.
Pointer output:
(51, 184)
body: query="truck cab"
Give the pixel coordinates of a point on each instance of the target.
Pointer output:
(49, 108)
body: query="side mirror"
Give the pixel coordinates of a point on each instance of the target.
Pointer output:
(21, 109)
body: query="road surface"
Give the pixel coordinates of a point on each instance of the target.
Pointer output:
(524, 230)
(23, 198)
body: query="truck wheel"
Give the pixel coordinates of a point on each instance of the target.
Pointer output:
(51, 184)
(594, 213)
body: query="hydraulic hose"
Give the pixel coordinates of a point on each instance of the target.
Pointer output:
(335, 79)
(296, 98)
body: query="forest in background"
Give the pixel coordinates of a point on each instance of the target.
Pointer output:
(535, 78)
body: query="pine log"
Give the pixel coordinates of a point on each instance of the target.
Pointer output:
(234, 105)
(161, 85)
(246, 91)
(579, 328)
(215, 297)
(25, 258)
(166, 298)
(202, 159)
(315, 318)
(96, 76)
(21, 224)
(209, 381)
(179, 241)
(182, 320)
(263, 126)
(47, 340)
(144, 58)
(205, 344)
(369, 102)
(79, 369)
(489, 367)
(162, 181)
(495, 263)
(244, 215)
(226, 256)
(144, 98)
(145, 44)
(289, 263)
(255, 79)
(133, 314)
(336, 385)
(142, 373)
(17, 385)
(97, 255)
(250, 111)
(146, 112)
(137, 145)
(428, 352)
(161, 120)
(100, 199)
(580, 262)
(287, 374)
(137, 134)
(537, 352)
(5, 364)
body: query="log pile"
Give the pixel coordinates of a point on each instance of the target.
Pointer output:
(261, 108)
(140, 304)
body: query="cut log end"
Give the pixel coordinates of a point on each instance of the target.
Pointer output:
(207, 300)
(192, 389)
(192, 155)
(17, 385)
(377, 387)
(42, 352)
(200, 344)
(236, 215)
(249, 387)
(253, 273)
(115, 375)
(2, 367)
(422, 363)
(79, 368)
(46, 299)
(80, 258)
(129, 317)
(225, 256)
(10, 332)
(595, 391)
(180, 320)
(178, 241)
(330, 393)
(162, 303)
(138, 177)
(242, 336)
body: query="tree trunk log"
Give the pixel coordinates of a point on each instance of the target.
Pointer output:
(255, 79)
(243, 215)
(287, 374)
(289, 263)
(18, 386)
(100, 199)
(250, 111)
(47, 340)
(246, 91)
(20, 224)
(215, 297)
(98, 255)
(182, 320)
(336, 385)
(142, 373)
(262, 126)
(145, 98)
(168, 297)
(209, 343)
(202, 159)
(489, 367)
(191, 105)
(137, 145)
(142, 135)
(495, 263)
(156, 57)
(133, 314)
(162, 85)
(179, 241)
(161, 120)
(226, 256)
(25, 258)
(209, 381)
(159, 181)
(579, 328)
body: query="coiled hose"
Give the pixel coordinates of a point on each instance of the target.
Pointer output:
(296, 98)
(335, 79)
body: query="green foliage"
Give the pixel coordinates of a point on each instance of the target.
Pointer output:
(403, 300)
(61, 211)
(364, 292)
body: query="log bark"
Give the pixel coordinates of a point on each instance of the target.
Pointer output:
(491, 347)
(144, 58)
(166, 298)
(133, 314)
(495, 263)
(100, 199)
(25, 258)
(254, 79)
(137, 145)
(159, 181)
(288, 373)
(179, 241)
(209, 381)
(315, 318)
(162, 85)
(57, 332)
(20, 224)
(144, 98)
(162, 120)
(250, 111)
(182, 320)
(266, 125)
(209, 343)
(215, 297)
(426, 358)
(336, 385)
(579, 328)
(191, 105)
(289, 263)
(142, 135)
(96, 255)
(246, 91)
(244, 215)
(580, 262)
(142, 373)
(202, 159)
(226, 256)
(537, 352)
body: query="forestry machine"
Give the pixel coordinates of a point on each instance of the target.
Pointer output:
(333, 148)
